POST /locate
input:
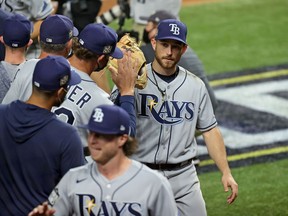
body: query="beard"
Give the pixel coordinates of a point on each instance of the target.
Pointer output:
(165, 62)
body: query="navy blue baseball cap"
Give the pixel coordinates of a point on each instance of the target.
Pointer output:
(57, 29)
(100, 39)
(16, 31)
(54, 72)
(110, 120)
(159, 16)
(172, 29)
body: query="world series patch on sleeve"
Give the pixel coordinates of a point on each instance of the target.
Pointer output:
(129, 43)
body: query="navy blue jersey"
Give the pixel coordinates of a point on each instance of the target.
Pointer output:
(36, 150)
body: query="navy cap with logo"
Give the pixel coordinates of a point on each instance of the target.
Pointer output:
(100, 39)
(110, 120)
(172, 29)
(54, 72)
(16, 31)
(57, 29)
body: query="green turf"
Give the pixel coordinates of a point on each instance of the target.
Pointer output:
(233, 35)
(238, 34)
(263, 191)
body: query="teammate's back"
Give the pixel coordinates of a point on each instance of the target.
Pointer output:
(34, 155)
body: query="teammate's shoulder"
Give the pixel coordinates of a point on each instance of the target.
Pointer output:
(82, 169)
(189, 74)
(28, 66)
(78, 174)
(62, 126)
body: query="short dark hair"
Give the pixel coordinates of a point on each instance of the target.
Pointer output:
(81, 52)
(52, 48)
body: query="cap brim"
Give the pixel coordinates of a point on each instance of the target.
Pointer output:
(170, 38)
(144, 18)
(74, 79)
(105, 131)
(118, 54)
(75, 32)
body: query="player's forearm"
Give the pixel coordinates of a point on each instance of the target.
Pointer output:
(127, 102)
(36, 30)
(216, 149)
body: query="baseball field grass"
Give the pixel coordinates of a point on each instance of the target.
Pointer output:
(262, 191)
(235, 35)
(232, 35)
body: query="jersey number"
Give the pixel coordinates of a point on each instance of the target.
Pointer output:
(65, 114)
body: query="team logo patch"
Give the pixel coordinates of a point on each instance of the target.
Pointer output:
(98, 115)
(174, 29)
(49, 40)
(53, 197)
(64, 80)
(70, 34)
(107, 49)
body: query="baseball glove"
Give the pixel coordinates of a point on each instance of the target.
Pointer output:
(129, 43)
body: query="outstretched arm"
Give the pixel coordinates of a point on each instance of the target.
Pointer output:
(216, 148)
(124, 78)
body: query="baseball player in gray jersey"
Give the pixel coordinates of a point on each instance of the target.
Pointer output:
(16, 37)
(91, 51)
(36, 11)
(113, 184)
(172, 106)
(56, 34)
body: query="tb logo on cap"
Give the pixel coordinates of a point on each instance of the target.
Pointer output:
(98, 115)
(174, 28)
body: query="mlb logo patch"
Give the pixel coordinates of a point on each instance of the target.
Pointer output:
(49, 40)
(14, 45)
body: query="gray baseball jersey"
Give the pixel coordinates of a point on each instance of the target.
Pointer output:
(167, 116)
(168, 113)
(33, 9)
(80, 101)
(21, 87)
(139, 191)
(7, 74)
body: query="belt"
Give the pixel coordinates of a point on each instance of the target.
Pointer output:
(169, 166)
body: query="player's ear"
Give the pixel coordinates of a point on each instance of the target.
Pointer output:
(153, 43)
(1, 39)
(184, 49)
(70, 43)
(61, 92)
(30, 42)
(101, 57)
(123, 139)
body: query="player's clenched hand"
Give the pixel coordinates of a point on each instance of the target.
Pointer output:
(229, 182)
(42, 210)
(126, 75)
